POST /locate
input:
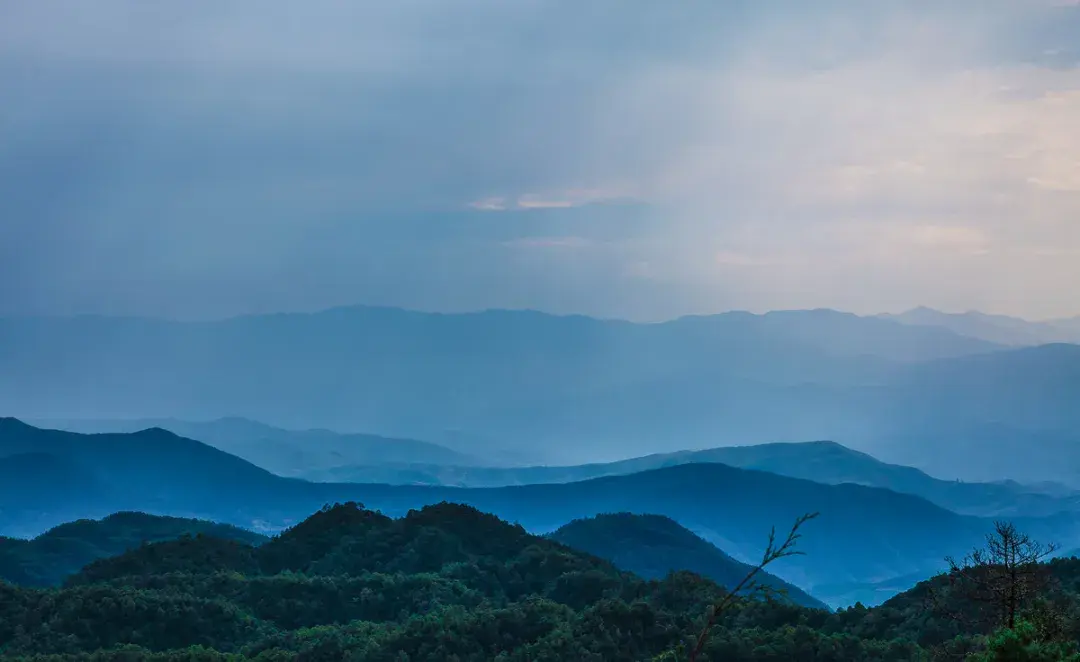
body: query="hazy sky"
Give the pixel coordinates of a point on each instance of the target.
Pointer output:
(614, 157)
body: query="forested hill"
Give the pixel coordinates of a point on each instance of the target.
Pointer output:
(62, 551)
(651, 546)
(444, 583)
(866, 534)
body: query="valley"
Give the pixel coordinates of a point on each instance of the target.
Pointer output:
(201, 516)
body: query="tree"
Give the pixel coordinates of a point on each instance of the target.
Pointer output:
(745, 588)
(1002, 579)
(1023, 644)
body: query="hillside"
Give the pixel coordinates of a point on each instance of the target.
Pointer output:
(834, 464)
(40, 490)
(291, 453)
(819, 461)
(155, 464)
(89, 476)
(928, 612)
(532, 383)
(444, 582)
(865, 534)
(652, 547)
(64, 550)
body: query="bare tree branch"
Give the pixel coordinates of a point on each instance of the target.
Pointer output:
(773, 552)
(1002, 578)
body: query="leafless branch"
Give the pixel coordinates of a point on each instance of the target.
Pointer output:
(773, 552)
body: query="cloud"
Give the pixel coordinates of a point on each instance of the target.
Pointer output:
(886, 162)
(548, 242)
(536, 202)
(560, 200)
(205, 159)
(489, 204)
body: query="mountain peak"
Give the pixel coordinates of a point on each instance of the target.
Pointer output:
(157, 432)
(926, 309)
(11, 424)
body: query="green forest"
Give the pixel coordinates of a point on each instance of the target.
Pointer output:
(449, 582)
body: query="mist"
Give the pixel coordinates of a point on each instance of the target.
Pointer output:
(213, 160)
(506, 330)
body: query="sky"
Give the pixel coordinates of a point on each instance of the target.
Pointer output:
(618, 158)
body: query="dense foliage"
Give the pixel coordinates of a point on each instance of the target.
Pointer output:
(47, 559)
(865, 534)
(446, 583)
(652, 546)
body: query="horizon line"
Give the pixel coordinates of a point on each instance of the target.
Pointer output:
(534, 311)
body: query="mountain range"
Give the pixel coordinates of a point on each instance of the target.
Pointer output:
(864, 534)
(49, 477)
(445, 582)
(314, 455)
(819, 461)
(1000, 329)
(451, 582)
(530, 388)
(290, 453)
(647, 545)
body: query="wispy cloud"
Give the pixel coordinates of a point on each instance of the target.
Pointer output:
(489, 204)
(206, 158)
(559, 200)
(548, 242)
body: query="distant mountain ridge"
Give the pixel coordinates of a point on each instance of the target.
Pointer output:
(864, 534)
(528, 381)
(1000, 329)
(819, 461)
(290, 453)
(153, 471)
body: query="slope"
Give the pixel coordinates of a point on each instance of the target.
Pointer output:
(819, 461)
(446, 582)
(1000, 329)
(933, 610)
(290, 453)
(39, 490)
(522, 378)
(864, 534)
(652, 546)
(62, 551)
(153, 470)
(984, 417)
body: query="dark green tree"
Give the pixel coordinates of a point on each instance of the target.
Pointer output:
(1003, 578)
(748, 587)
